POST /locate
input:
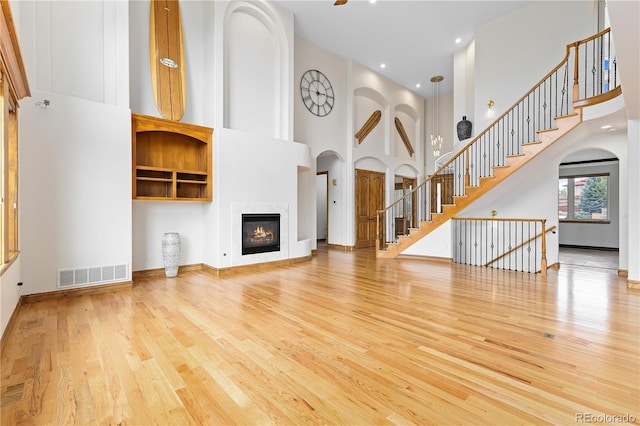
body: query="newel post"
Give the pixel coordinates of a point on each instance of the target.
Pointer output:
(543, 260)
(377, 232)
(576, 73)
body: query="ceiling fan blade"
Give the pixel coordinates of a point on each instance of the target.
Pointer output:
(340, 2)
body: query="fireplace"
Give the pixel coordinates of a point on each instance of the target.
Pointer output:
(260, 233)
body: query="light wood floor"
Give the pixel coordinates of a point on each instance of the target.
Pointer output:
(343, 339)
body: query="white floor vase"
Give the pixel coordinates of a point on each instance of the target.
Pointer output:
(171, 253)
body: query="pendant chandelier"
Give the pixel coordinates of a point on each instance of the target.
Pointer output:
(436, 137)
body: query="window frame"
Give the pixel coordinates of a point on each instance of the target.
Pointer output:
(571, 198)
(14, 86)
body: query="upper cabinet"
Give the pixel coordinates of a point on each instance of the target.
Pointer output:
(171, 160)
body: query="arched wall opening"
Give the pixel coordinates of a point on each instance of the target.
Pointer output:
(589, 208)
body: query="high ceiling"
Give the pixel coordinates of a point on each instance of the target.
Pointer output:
(415, 39)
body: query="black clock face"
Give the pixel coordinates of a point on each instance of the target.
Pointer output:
(317, 93)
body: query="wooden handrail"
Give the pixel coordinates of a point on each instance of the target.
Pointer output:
(499, 219)
(542, 233)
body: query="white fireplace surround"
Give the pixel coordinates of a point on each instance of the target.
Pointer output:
(237, 210)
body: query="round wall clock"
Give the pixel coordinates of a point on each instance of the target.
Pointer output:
(317, 93)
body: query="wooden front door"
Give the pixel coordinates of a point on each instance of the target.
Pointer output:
(369, 199)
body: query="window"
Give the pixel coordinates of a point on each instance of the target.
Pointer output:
(584, 198)
(9, 178)
(13, 87)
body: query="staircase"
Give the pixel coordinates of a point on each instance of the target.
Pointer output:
(550, 110)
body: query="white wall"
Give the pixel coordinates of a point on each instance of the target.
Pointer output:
(92, 67)
(151, 219)
(514, 52)
(75, 187)
(252, 61)
(75, 155)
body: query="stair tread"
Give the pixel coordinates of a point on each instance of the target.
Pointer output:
(547, 130)
(516, 155)
(530, 143)
(571, 114)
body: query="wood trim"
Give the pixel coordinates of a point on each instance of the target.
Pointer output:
(436, 259)
(10, 324)
(623, 272)
(75, 292)
(5, 266)
(633, 284)
(147, 273)
(10, 54)
(403, 135)
(147, 123)
(241, 269)
(598, 99)
(555, 265)
(341, 247)
(591, 221)
(498, 219)
(368, 126)
(166, 41)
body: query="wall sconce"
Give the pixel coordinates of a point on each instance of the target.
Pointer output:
(490, 105)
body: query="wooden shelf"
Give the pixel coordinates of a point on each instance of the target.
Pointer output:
(171, 160)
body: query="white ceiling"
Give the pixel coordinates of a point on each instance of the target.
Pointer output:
(415, 39)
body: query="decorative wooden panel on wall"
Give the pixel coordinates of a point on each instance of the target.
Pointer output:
(368, 126)
(166, 50)
(403, 136)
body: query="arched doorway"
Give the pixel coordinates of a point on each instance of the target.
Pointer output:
(589, 209)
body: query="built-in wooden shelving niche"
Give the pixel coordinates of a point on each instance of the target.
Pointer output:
(171, 160)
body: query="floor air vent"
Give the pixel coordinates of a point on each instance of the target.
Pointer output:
(92, 276)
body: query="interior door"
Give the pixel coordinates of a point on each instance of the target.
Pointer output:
(369, 199)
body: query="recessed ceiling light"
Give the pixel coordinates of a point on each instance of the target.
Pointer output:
(383, 65)
(372, 1)
(606, 126)
(418, 85)
(458, 40)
